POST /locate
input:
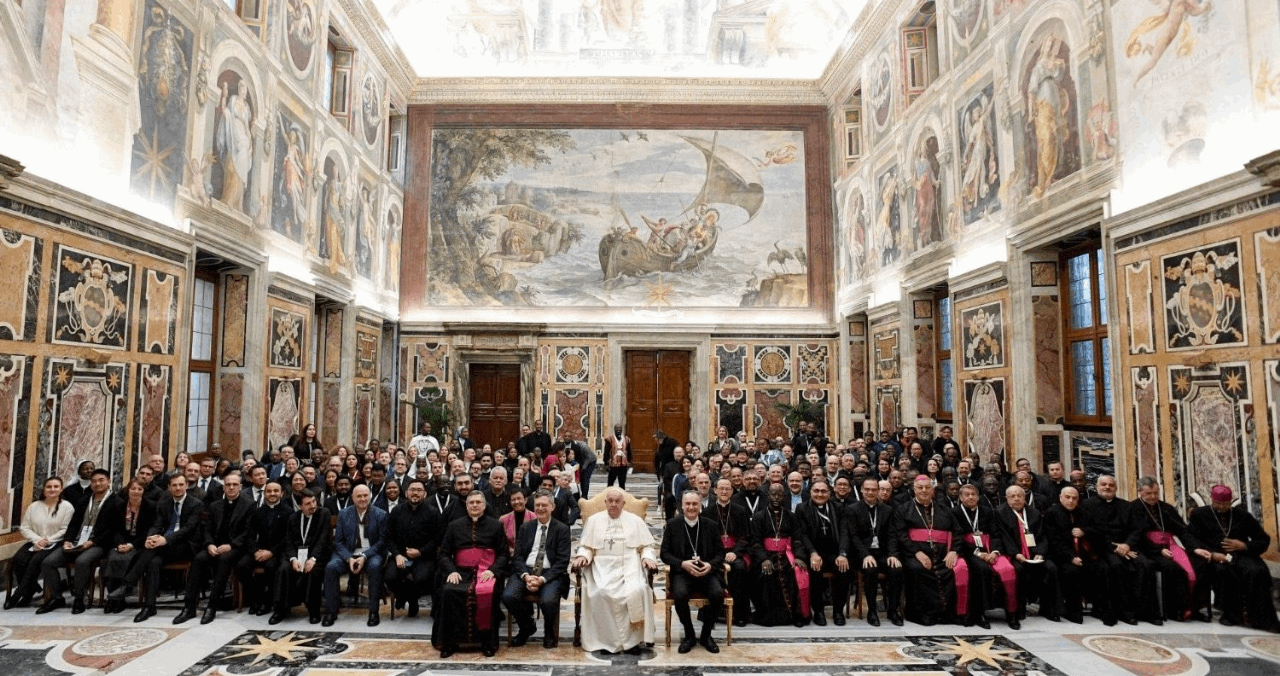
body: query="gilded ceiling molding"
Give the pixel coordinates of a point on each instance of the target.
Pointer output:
(867, 32)
(376, 37)
(617, 89)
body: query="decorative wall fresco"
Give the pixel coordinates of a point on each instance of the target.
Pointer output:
(334, 222)
(152, 412)
(618, 218)
(966, 26)
(853, 242)
(1047, 321)
(15, 412)
(158, 312)
(1044, 273)
(858, 370)
(772, 364)
(886, 237)
(880, 88)
(284, 409)
(986, 424)
(573, 412)
(82, 417)
(767, 419)
(927, 194)
(299, 27)
(367, 354)
(391, 268)
(888, 415)
(287, 335)
(371, 108)
(1138, 296)
(983, 336)
(92, 300)
(812, 363)
(1146, 421)
(331, 341)
(366, 231)
(573, 365)
(20, 258)
(164, 72)
(979, 156)
(1202, 297)
(292, 191)
(730, 408)
(1266, 244)
(1051, 137)
(888, 360)
(926, 371)
(233, 148)
(572, 387)
(1214, 415)
(235, 308)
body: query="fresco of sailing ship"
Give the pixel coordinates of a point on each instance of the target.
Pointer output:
(681, 243)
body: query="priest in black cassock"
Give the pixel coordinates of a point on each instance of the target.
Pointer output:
(826, 537)
(926, 538)
(472, 558)
(1236, 542)
(735, 535)
(1163, 539)
(691, 546)
(779, 556)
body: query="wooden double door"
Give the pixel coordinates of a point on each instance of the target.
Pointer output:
(494, 414)
(656, 392)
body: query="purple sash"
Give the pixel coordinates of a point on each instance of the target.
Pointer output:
(480, 559)
(802, 575)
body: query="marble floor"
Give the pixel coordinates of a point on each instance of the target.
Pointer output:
(238, 643)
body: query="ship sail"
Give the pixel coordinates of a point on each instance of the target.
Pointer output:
(731, 178)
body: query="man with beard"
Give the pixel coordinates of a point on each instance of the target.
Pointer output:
(1236, 542)
(751, 497)
(869, 521)
(825, 535)
(925, 540)
(691, 546)
(412, 540)
(308, 540)
(358, 546)
(1159, 534)
(735, 537)
(342, 495)
(783, 596)
(1066, 549)
(1037, 575)
(268, 539)
(1107, 530)
(472, 555)
(981, 550)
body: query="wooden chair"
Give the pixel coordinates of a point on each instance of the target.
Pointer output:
(698, 600)
(588, 508)
(830, 577)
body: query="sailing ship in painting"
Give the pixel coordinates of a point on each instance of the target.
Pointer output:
(676, 246)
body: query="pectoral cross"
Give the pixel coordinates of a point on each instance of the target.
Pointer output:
(824, 528)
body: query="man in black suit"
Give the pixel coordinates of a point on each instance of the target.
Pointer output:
(308, 539)
(226, 537)
(538, 439)
(691, 546)
(171, 540)
(826, 537)
(413, 535)
(540, 566)
(1028, 544)
(342, 495)
(265, 547)
(869, 521)
(566, 507)
(735, 536)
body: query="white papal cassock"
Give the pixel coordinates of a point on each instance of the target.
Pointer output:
(617, 602)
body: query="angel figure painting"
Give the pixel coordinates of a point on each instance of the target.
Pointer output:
(979, 160)
(292, 180)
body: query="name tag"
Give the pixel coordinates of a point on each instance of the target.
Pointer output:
(1030, 539)
(85, 532)
(303, 554)
(875, 542)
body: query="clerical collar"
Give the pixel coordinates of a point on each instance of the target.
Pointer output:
(691, 524)
(722, 504)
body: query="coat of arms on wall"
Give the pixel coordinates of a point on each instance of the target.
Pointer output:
(286, 338)
(92, 300)
(1202, 297)
(983, 336)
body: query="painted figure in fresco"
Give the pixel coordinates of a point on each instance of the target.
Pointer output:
(284, 414)
(1162, 28)
(857, 236)
(371, 107)
(1047, 105)
(986, 421)
(233, 143)
(332, 226)
(928, 220)
(364, 233)
(295, 176)
(301, 24)
(392, 267)
(978, 164)
(887, 220)
(164, 66)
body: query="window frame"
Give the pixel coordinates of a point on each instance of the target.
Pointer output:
(340, 60)
(208, 366)
(921, 64)
(853, 128)
(942, 355)
(1096, 333)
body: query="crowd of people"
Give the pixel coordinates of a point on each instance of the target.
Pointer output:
(785, 527)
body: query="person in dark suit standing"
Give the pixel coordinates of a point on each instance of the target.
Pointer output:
(227, 534)
(358, 543)
(266, 545)
(171, 540)
(538, 439)
(617, 452)
(692, 547)
(308, 539)
(540, 566)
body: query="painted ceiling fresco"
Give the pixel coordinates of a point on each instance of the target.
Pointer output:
(670, 38)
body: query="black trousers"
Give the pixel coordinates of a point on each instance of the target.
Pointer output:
(292, 586)
(548, 601)
(1242, 590)
(892, 584)
(258, 588)
(1071, 580)
(1168, 582)
(838, 586)
(1118, 582)
(1039, 581)
(414, 581)
(683, 586)
(148, 564)
(740, 588)
(618, 474)
(27, 565)
(205, 566)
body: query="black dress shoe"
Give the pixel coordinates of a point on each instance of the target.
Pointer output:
(183, 615)
(276, 618)
(77, 605)
(263, 610)
(895, 619)
(1131, 621)
(1158, 621)
(838, 618)
(413, 608)
(966, 621)
(1014, 624)
(447, 652)
(1227, 621)
(328, 620)
(739, 621)
(873, 618)
(210, 614)
(488, 650)
(1077, 618)
(313, 618)
(710, 644)
(819, 618)
(1110, 621)
(374, 619)
(51, 605)
(150, 611)
(550, 642)
(522, 637)
(982, 622)
(801, 622)
(686, 644)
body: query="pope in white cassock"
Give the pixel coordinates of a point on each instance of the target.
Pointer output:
(616, 552)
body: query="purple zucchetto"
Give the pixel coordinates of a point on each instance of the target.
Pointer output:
(1220, 494)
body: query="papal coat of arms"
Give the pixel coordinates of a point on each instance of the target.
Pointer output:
(1202, 297)
(92, 301)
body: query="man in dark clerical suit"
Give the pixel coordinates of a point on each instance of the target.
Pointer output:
(826, 537)
(1028, 546)
(1235, 541)
(172, 539)
(358, 545)
(1164, 540)
(1121, 574)
(735, 537)
(307, 547)
(413, 536)
(268, 540)
(926, 540)
(226, 537)
(868, 523)
(1063, 527)
(538, 439)
(751, 497)
(691, 546)
(566, 506)
(472, 558)
(540, 566)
